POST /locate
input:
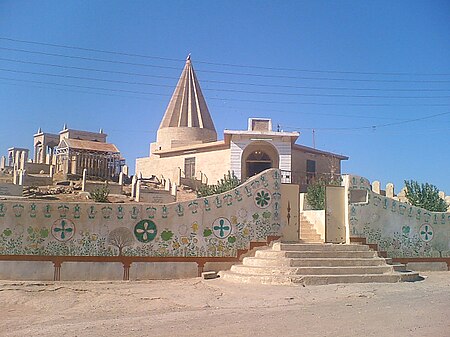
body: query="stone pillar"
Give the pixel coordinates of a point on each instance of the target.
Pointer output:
(138, 191)
(3, 162)
(133, 186)
(174, 190)
(178, 176)
(15, 176)
(167, 185)
(121, 176)
(21, 175)
(51, 171)
(376, 186)
(83, 182)
(390, 190)
(23, 160)
(125, 170)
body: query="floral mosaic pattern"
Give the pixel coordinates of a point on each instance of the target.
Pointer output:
(262, 198)
(215, 226)
(145, 231)
(221, 228)
(63, 230)
(399, 229)
(426, 233)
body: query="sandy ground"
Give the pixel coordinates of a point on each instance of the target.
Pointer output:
(196, 307)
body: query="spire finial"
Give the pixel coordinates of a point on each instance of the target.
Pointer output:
(188, 58)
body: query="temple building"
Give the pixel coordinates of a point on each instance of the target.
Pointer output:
(187, 147)
(78, 150)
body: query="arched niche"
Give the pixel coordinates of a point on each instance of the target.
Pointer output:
(257, 157)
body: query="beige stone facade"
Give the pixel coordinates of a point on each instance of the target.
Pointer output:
(187, 146)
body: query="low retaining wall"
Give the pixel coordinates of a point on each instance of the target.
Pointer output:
(211, 229)
(399, 229)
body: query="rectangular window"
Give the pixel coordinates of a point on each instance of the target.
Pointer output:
(310, 171)
(189, 167)
(310, 166)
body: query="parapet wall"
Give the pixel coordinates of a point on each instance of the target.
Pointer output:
(402, 230)
(216, 226)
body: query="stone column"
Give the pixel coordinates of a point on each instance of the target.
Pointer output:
(376, 186)
(390, 190)
(121, 176)
(83, 182)
(15, 176)
(133, 186)
(21, 174)
(138, 191)
(3, 162)
(167, 185)
(125, 170)
(51, 171)
(174, 190)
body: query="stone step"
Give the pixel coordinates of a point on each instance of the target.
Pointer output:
(308, 231)
(349, 270)
(316, 237)
(312, 262)
(315, 254)
(306, 240)
(318, 279)
(278, 246)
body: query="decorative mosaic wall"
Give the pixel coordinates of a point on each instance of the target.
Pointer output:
(398, 228)
(213, 226)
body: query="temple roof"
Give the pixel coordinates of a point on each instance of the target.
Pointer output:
(88, 145)
(187, 107)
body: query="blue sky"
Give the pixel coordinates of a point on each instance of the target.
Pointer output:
(357, 72)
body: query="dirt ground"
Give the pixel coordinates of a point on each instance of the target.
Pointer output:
(196, 307)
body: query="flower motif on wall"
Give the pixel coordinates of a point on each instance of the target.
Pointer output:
(221, 228)
(262, 198)
(63, 230)
(145, 231)
(18, 210)
(426, 233)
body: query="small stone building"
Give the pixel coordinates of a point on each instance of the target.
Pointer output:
(78, 150)
(187, 147)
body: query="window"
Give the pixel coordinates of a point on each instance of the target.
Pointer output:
(189, 167)
(310, 171)
(310, 166)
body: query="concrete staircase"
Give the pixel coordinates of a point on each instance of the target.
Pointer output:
(317, 264)
(307, 232)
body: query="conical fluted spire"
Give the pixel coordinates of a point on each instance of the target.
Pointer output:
(187, 119)
(187, 107)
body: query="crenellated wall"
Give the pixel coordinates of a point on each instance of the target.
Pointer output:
(216, 226)
(402, 230)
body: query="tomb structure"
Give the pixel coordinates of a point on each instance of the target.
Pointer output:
(187, 147)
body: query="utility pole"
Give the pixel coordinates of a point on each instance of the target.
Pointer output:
(314, 138)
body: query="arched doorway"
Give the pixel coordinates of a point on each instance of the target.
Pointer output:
(258, 157)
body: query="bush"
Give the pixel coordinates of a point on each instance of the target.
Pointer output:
(100, 194)
(228, 182)
(425, 196)
(315, 194)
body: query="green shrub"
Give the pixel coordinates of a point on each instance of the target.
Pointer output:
(315, 194)
(424, 196)
(228, 182)
(100, 194)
